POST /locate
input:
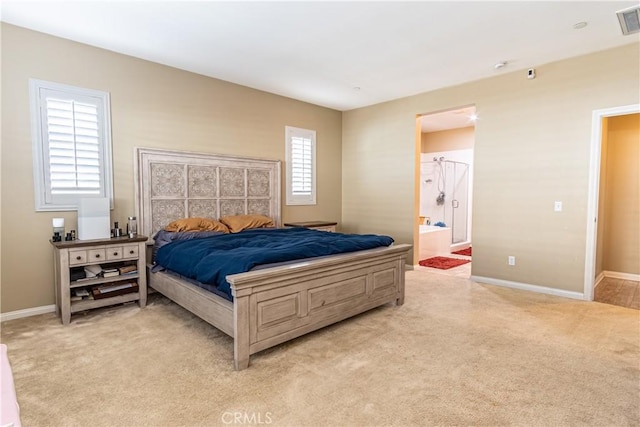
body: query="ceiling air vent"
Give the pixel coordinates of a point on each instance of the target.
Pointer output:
(629, 20)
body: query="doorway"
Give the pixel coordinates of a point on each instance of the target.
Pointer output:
(595, 267)
(446, 143)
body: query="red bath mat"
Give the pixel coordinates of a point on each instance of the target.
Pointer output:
(466, 252)
(443, 263)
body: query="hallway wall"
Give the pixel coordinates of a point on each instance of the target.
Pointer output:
(621, 246)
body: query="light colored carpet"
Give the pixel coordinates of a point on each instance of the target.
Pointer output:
(457, 353)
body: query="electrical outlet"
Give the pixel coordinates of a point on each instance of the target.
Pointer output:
(557, 206)
(511, 260)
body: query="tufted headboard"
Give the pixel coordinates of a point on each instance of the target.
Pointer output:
(172, 185)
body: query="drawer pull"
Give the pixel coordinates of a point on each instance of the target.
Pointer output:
(131, 252)
(78, 257)
(115, 254)
(97, 255)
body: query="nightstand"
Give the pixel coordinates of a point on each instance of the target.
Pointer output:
(316, 225)
(119, 253)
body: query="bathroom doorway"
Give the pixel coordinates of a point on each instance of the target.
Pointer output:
(447, 140)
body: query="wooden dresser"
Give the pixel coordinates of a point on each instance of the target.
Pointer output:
(118, 252)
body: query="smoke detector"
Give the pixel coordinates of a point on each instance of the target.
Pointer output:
(629, 20)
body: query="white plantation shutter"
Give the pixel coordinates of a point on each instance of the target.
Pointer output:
(72, 145)
(301, 166)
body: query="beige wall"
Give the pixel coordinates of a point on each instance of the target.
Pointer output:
(448, 140)
(621, 251)
(531, 147)
(151, 106)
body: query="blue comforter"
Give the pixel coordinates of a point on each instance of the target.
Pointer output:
(210, 260)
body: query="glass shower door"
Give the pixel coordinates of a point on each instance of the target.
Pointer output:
(444, 194)
(459, 202)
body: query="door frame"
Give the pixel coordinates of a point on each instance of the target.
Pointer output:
(594, 190)
(417, 192)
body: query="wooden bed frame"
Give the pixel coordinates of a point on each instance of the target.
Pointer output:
(271, 305)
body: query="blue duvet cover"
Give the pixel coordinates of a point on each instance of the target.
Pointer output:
(210, 260)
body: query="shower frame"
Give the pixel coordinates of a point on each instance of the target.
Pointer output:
(455, 209)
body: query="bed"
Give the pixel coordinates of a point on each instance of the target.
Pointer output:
(269, 305)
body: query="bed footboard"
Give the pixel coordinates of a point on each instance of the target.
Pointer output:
(278, 304)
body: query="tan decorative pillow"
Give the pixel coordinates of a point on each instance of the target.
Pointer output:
(242, 222)
(196, 224)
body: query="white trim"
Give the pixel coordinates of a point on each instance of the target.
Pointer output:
(594, 190)
(37, 143)
(623, 276)
(599, 279)
(528, 287)
(27, 312)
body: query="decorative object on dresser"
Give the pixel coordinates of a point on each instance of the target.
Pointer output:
(113, 289)
(128, 269)
(101, 262)
(92, 271)
(270, 305)
(58, 229)
(316, 225)
(110, 272)
(93, 218)
(132, 226)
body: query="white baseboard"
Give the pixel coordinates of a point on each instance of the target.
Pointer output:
(529, 287)
(27, 312)
(624, 276)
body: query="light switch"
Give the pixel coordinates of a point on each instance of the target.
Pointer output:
(557, 206)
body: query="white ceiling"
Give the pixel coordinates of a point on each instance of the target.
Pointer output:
(450, 119)
(320, 52)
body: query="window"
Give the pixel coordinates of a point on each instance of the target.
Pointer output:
(301, 166)
(71, 134)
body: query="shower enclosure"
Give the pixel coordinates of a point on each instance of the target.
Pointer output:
(444, 195)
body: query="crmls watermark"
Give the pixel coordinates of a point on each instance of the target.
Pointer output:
(246, 418)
